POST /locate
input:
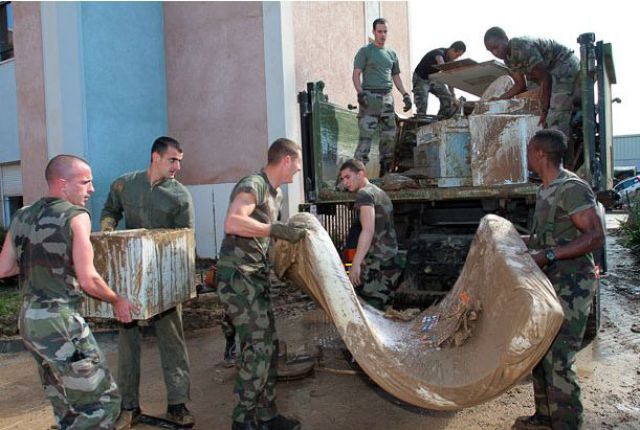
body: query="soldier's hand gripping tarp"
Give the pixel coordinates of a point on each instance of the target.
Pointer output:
(519, 318)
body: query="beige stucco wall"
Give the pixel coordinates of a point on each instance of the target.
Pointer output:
(328, 35)
(31, 99)
(216, 88)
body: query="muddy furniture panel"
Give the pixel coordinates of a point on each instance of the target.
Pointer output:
(154, 269)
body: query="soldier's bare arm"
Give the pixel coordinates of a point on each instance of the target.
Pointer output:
(397, 80)
(592, 237)
(542, 75)
(238, 220)
(8, 263)
(90, 281)
(357, 83)
(368, 222)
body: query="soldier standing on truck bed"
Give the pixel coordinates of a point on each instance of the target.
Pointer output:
(48, 245)
(153, 198)
(422, 85)
(243, 280)
(549, 64)
(374, 271)
(566, 230)
(375, 69)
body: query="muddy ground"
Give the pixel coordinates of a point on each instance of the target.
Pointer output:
(337, 397)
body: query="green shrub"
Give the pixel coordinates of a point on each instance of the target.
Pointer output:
(631, 227)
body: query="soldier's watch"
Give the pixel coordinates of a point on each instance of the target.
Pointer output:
(550, 253)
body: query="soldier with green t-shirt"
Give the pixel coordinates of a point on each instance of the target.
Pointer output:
(375, 69)
(374, 271)
(243, 280)
(566, 230)
(49, 245)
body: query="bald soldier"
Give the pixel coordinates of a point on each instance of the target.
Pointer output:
(48, 245)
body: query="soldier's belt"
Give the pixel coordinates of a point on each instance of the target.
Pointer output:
(377, 91)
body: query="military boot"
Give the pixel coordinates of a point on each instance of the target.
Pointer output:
(180, 415)
(247, 425)
(532, 422)
(230, 352)
(279, 422)
(127, 419)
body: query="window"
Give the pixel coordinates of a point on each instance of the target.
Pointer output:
(6, 30)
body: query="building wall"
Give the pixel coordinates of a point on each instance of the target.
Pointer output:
(216, 88)
(32, 131)
(626, 150)
(328, 36)
(124, 88)
(9, 146)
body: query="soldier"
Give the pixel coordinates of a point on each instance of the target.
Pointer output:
(422, 85)
(550, 65)
(379, 67)
(565, 231)
(48, 245)
(152, 198)
(373, 271)
(243, 279)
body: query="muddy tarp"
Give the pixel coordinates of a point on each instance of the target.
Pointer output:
(520, 317)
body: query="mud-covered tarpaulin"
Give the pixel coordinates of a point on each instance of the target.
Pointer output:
(520, 317)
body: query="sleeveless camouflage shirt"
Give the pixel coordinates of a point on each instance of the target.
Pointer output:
(252, 252)
(42, 238)
(384, 245)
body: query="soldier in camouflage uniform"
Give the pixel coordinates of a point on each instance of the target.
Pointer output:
(548, 63)
(374, 272)
(566, 230)
(422, 85)
(153, 198)
(48, 245)
(243, 279)
(375, 70)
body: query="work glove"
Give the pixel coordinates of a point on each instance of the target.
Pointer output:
(362, 100)
(406, 99)
(108, 224)
(290, 233)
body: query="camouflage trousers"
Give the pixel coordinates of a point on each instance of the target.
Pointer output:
(173, 356)
(564, 81)
(555, 387)
(379, 280)
(245, 295)
(378, 116)
(421, 90)
(72, 368)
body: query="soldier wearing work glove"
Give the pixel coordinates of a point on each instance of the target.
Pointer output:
(362, 100)
(290, 233)
(243, 277)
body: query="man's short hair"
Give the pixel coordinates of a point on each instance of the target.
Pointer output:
(280, 148)
(59, 167)
(354, 165)
(495, 33)
(551, 142)
(161, 144)
(377, 21)
(458, 46)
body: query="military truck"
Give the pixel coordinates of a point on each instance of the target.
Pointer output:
(436, 217)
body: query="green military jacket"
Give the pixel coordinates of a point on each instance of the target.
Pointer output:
(165, 204)
(384, 245)
(42, 238)
(252, 253)
(552, 226)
